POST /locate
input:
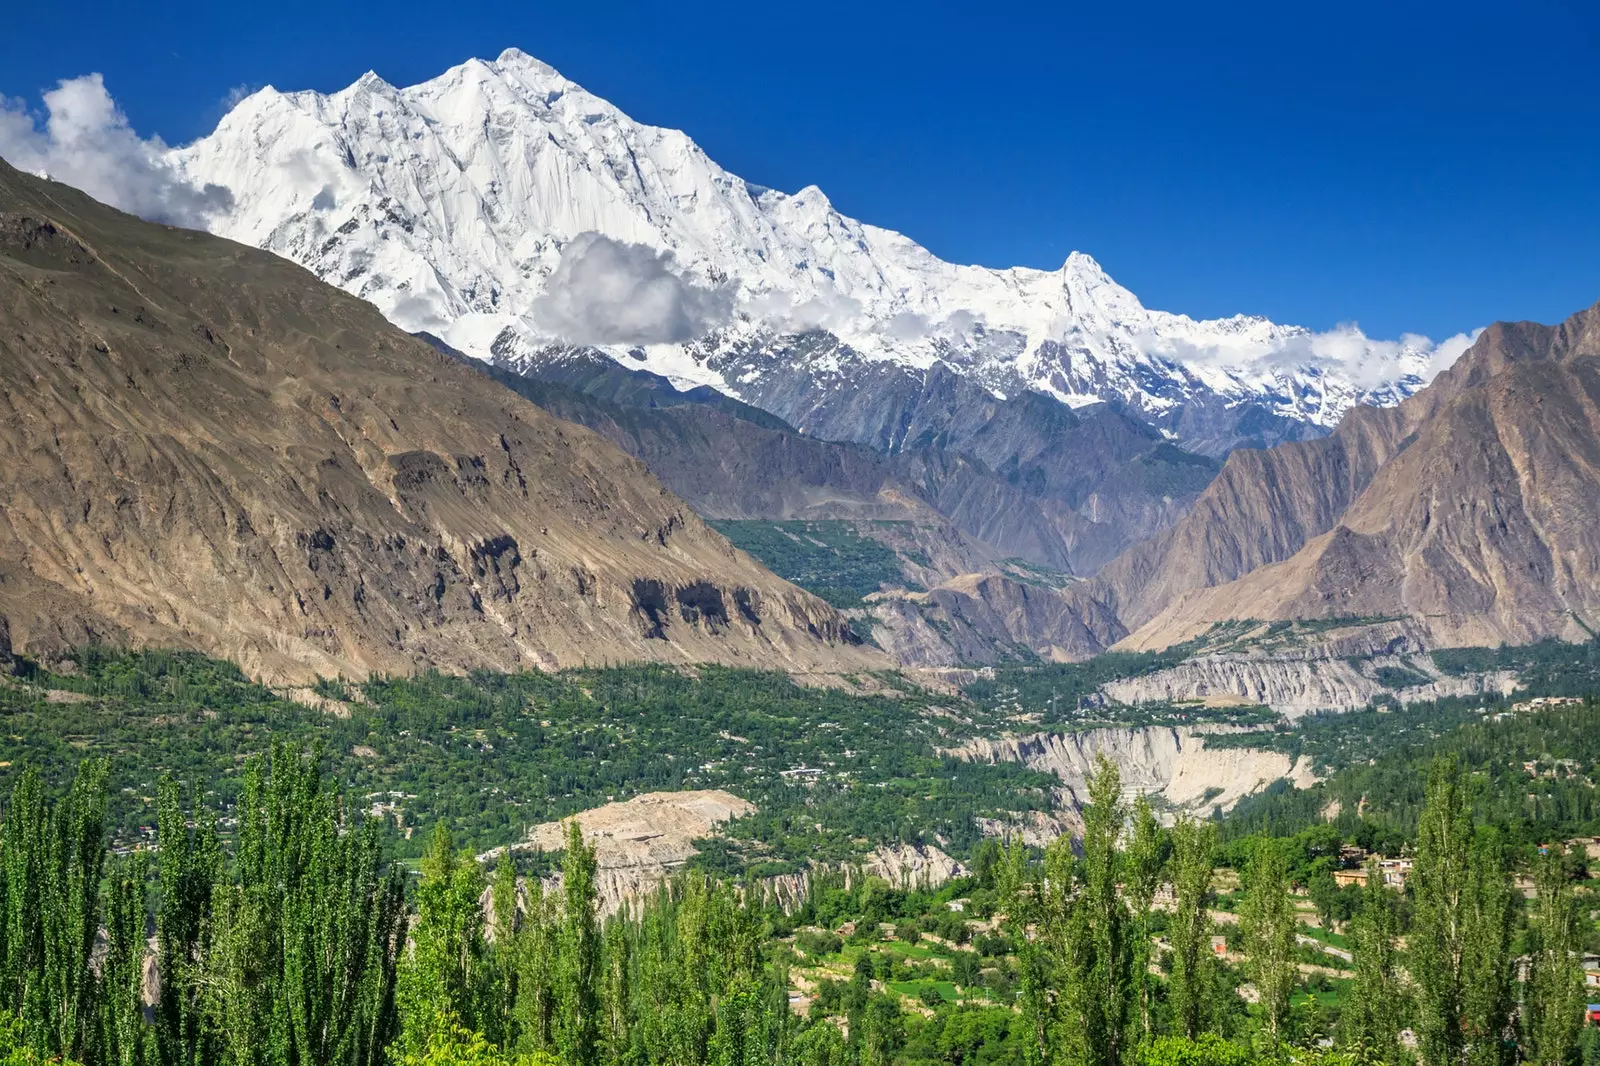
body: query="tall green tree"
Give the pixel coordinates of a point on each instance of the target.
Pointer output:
(1459, 954)
(1374, 1012)
(440, 983)
(52, 856)
(499, 1011)
(123, 1033)
(300, 963)
(577, 1024)
(188, 863)
(1269, 926)
(1103, 952)
(1487, 965)
(1193, 966)
(1143, 866)
(1552, 1009)
(1437, 945)
(535, 955)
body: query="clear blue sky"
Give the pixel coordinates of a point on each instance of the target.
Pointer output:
(1426, 167)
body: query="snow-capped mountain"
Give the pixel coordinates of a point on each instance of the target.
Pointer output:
(506, 210)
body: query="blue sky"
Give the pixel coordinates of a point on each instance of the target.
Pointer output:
(1423, 167)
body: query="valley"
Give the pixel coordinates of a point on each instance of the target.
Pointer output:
(514, 593)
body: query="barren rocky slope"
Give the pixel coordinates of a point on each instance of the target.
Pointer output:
(1483, 526)
(203, 446)
(1172, 762)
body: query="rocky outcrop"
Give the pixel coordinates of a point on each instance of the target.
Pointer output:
(1483, 529)
(638, 842)
(641, 842)
(991, 617)
(1170, 762)
(1291, 687)
(911, 866)
(202, 446)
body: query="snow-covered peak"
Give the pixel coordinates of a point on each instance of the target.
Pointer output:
(501, 202)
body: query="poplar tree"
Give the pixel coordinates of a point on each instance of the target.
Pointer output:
(499, 1015)
(1269, 926)
(188, 863)
(1487, 967)
(1143, 875)
(1552, 1009)
(1103, 955)
(439, 983)
(1190, 991)
(1373, 1014)
(1459, 956)
(616, 995)
(534, 1010)
(123, 1031)
(1037, 911)
(577, 1028)
(300, 958)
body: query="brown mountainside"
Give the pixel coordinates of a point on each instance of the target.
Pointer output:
(203, 446)
(1482, 527)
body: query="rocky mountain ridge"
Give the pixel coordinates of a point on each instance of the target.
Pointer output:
(1470, 510)
(205, 447)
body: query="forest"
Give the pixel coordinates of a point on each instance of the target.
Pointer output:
(285, 932)
(197, 869)
(493, 754)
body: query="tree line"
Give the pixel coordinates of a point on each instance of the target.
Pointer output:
(281, 933)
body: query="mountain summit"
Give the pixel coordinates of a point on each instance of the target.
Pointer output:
(507, 210)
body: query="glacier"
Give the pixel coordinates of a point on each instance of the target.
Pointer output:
(507, 211)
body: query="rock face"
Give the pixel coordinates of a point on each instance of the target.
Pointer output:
(1262, 508)
(1029, 477)
(1291, 687)
(912, 866)
(990, 617)
(1172, 762)
(205, 447)
(1482, 525)
(639, 842)
(642, 841)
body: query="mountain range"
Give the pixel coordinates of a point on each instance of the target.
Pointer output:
(205, 447)
(567, 342)
(511, 213)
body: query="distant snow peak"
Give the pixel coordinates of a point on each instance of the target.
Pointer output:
(506, 209)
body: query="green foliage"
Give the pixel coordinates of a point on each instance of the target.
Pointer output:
(1380, 760)
(1553, 1001)
(1460, 942)
(829, 558)
(441, 980)
(1372, 1021)
(1269, 927)
(1207, 1049)
(493, 754)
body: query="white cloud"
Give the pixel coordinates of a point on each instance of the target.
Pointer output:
(85, 141)
(231, 99)
(1366, 362)
(605, 291)
(1447, 351)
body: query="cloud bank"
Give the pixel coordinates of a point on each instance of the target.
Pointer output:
(605, 291)
(85, 141)
(1366, 362)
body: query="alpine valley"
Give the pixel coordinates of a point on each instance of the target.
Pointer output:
(1013, 418)
(912, 663)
